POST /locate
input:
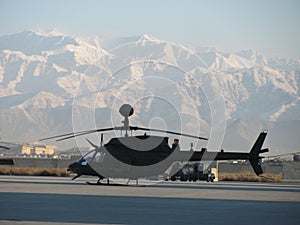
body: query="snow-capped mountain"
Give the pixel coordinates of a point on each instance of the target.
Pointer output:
(50, 80)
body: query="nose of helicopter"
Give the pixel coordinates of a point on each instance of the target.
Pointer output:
(74, 167)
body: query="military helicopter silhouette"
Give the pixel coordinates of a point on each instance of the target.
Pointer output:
(134, 157)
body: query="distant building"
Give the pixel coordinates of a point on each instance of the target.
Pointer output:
(38, 149)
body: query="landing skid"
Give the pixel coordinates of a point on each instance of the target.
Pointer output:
(114, 184)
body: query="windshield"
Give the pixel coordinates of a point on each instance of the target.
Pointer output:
(93, 156)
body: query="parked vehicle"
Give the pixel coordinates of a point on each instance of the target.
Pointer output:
(191, 172)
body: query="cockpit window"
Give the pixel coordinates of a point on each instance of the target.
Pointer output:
(87, 155)
(99, 157)
(93, 156)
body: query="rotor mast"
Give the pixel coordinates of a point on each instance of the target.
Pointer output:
(126, 110)
(126, 125)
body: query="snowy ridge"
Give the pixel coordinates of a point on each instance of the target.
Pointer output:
(41, 72)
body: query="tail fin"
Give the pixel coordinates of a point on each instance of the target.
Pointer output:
(254, 157)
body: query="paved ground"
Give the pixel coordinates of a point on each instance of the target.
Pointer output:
(38, 200)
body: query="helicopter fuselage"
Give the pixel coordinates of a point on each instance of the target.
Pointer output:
(144, 156)
(127, 157)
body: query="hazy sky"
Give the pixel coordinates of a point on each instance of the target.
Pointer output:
(268, 26)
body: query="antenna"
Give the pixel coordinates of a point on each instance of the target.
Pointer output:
(101, 141)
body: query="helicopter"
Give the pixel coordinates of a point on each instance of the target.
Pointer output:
(5, 161)
(133, 157)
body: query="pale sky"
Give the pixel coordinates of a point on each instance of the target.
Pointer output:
(271, 27)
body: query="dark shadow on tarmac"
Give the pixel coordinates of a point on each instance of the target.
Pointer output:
(143, 210)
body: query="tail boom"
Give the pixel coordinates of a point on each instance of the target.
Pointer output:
(253, 156)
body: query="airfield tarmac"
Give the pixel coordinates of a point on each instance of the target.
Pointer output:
(51, 200)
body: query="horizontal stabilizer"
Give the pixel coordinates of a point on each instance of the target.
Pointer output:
(264, 150)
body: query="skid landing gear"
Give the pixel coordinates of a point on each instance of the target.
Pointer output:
(98, 182)
(136, 184)
(108, 183)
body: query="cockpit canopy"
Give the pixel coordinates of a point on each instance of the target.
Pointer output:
(92, 156)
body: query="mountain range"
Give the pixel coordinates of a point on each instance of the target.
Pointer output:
(51, 83)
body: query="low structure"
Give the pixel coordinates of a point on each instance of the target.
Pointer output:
(38, 149)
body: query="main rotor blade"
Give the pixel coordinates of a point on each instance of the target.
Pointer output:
(75, 134)
(168, 132)
(87, 132)
(61, 135)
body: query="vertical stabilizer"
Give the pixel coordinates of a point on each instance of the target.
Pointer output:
(256, 149)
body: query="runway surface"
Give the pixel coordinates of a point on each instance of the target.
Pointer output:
(46, 200)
